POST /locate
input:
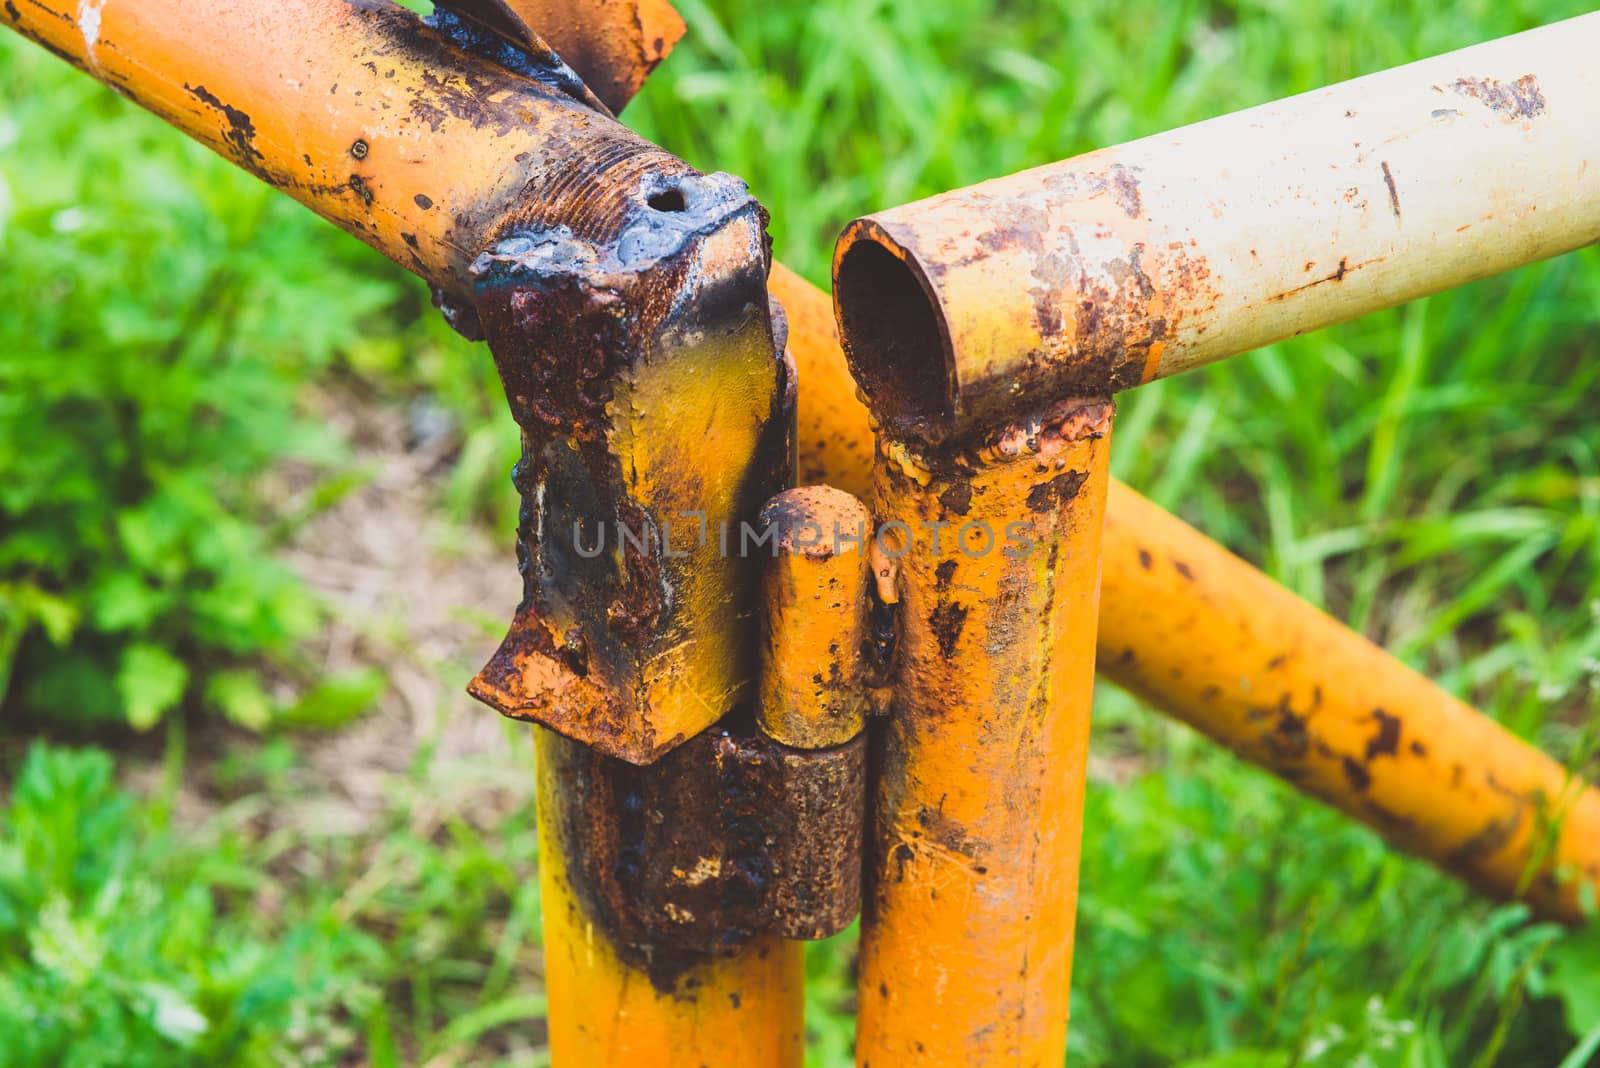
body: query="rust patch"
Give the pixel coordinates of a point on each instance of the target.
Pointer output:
(1125, 190)
(1521, 99)
(1336, 275)
(1356, 774)
(1055, 494)
(946, 621)
(239, 135)
(1394, 195)
(1386, 742)
(958, 498)
(727, 837)
(1289, 740)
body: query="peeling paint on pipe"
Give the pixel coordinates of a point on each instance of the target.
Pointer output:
(1207, 638)
(1145, 260)
(366, 115)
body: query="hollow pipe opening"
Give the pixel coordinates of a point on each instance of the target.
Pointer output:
(893, 336)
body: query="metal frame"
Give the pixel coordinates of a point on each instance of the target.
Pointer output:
(622, 296)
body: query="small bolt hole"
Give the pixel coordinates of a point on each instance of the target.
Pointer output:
(667, 200)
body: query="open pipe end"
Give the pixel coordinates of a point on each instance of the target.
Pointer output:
(893, 333)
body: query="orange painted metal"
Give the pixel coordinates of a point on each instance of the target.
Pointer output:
(363, 114)
(967, 928)
(813, 667)
(1210, 640)
(612, 44)
(833, 430)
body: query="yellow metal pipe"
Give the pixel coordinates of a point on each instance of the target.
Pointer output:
(1150, 258)
(967, 929)
(1204, 636)
(1219, 646)
(615, 1003)
(361, 112)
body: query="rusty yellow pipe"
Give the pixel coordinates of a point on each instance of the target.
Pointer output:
(363, 114)
(612, 44)
(967, 928)
(1150, 258)
(1222, 646)
(1204, 636)
(614, 1003)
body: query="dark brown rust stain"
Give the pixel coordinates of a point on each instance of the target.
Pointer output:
(942, 576)
(1183, 570)
(423, 201)
(958, 498)
(1521, 99)
(1336, 275)
(1394, 194)
(12, 13)
(1146, 561)
(1289, 740)
(817, 851)
(946, 621)
(1052, 496)
(359, 186)
(240, 134)
(1491, 838)
(1356, 774)
(1386, 742)
(727, 837)
(1418, 749)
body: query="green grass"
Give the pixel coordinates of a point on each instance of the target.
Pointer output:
(1428, 474)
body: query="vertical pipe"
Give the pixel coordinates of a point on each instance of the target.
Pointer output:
(616, 1003)
(972, 886)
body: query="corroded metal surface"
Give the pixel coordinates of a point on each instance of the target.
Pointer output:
(1144, 260)
(629, 359)
(1200, 633)
(815, 625)
(612, 44)
(972, 875)
(1204, 643)
(726, 839)
(614, 1001)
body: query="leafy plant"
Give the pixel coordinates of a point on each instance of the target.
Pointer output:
(163, 313)
(116, 947)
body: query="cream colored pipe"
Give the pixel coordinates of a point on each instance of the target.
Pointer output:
(1157, 256)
